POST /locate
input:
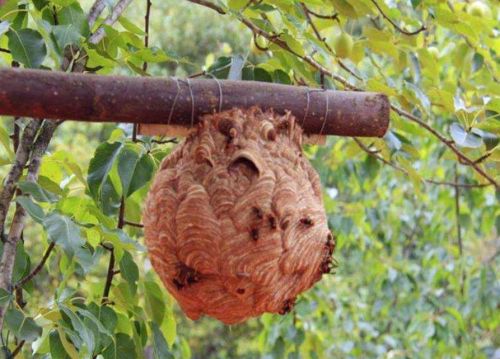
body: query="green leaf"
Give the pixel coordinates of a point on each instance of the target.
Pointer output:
(490, 125)
(64, 232)
(134, 169)
(23, 327)
(129, 271)
(169, 328)
(22, 263)
(78, 325)
(160, 347)
(38, 193)
(130, 26)
(69, 347)
(220, 68)
(280, 76)
(5, 297)
(155, 303)
(74, 15)
(34, 210)
(66, 35)
(122, 348)
(100, 185)
(40, 4)
(72, 25)
(262, 75)
(57, 350)
(27, 47)
(344, 8)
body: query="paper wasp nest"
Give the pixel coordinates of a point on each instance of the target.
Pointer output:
(234, 220)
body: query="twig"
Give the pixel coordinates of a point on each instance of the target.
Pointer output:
(22, 156)
(133, 224)
(162, 142)
(430, 181)
(410, 33)
(315, 29)
(119, 8)
(457, 213)
(96, 11)
(321, 16)
(447, 142)
(17, 226)
(461, 185)
(38, 268)
(109, 276)
(322, 39)
(197, 74)
(210, 5)
(146, 30)
(17, 350)
(350, 86)
(459, 229)
(15, 134)
(111, 265)
(483, 157)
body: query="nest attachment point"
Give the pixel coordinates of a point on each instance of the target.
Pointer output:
(234, 220)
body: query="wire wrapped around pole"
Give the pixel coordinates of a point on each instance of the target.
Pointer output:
(147, 100)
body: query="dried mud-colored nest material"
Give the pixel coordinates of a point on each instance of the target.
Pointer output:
(234, 221)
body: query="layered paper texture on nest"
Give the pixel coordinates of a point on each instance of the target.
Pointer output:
(234, 220)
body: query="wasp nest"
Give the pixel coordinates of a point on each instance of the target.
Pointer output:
(234, 221)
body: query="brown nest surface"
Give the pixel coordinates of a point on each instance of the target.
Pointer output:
(234, 220)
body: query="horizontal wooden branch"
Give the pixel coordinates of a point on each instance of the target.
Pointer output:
(147, 100)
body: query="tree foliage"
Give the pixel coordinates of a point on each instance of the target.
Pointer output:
(416, 213)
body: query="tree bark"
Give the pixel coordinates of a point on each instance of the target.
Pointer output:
(58, 95)
(9, 248)
(22, 156)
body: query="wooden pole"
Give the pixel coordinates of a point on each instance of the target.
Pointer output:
(147, 100)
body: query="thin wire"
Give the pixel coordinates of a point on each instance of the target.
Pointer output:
(220, 89)
(326, 115)
(307, 108)
(175, 100)
(192, 101)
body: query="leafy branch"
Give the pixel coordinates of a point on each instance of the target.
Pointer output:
(321, 16)
(9, 250)
(403, 31)
(38, 268)
(312, 62)
(455, 184)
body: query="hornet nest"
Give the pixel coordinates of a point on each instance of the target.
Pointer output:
(234, 220)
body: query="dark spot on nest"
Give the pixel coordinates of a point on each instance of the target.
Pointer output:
(307, 221)
(283, 125)
(186, 276)
(258, 212)
(271, 135)
(240, 291)
(287, 306)
(230, 129)
(272, 222)
(284, 224)
(254, 233)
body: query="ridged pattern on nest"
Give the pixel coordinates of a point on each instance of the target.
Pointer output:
(234, 220)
